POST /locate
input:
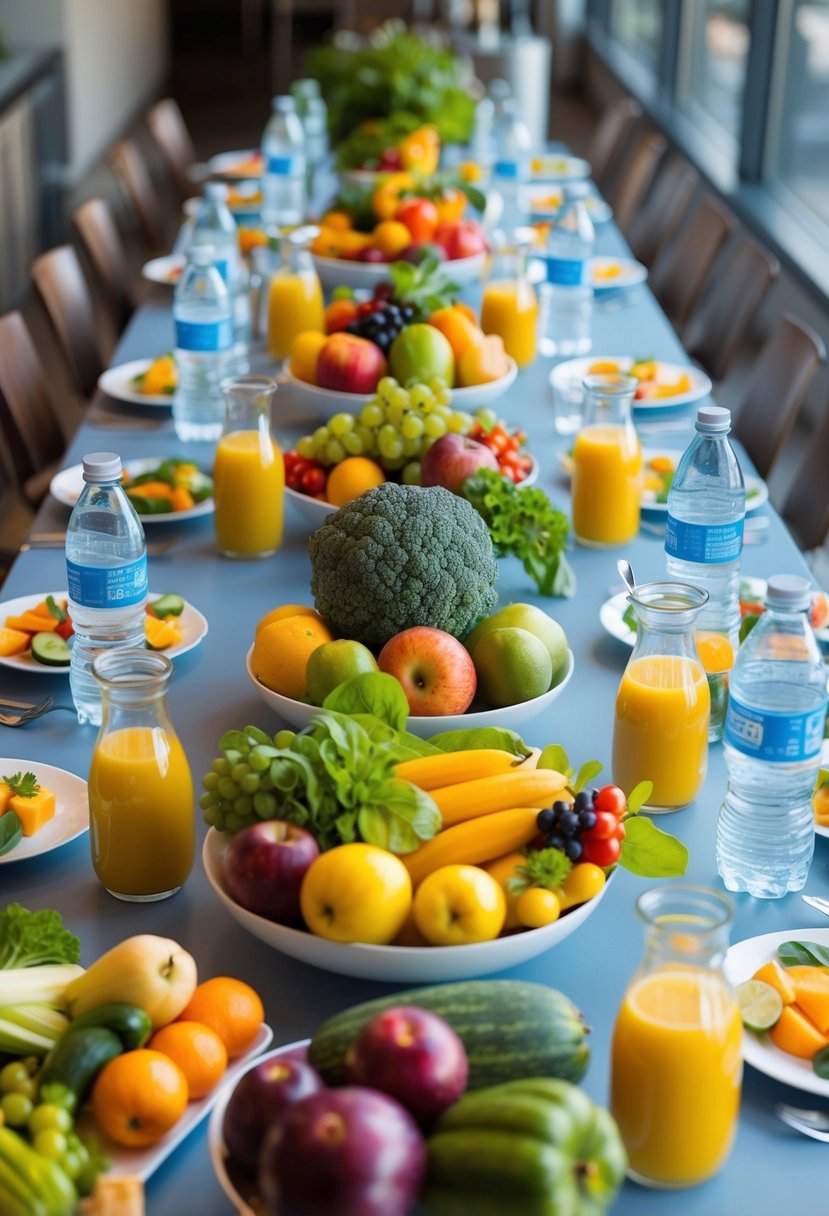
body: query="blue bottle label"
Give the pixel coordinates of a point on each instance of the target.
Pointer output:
(204, 335)
(283, 166)
(776, 737)
(567, 272)
(507, 168)
(223, 267)
(107, 586)
(708, 544)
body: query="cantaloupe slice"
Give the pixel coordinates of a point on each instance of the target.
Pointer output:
(802, 971)
(33, 622)
(13, 641)
(812, 996)
(161, 633)
(772, 973)
(33, 812)
(5, 797)
(795, 1033)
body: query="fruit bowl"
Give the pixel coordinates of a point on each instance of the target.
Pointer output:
(299, 713)
(401, 964)
(341, 272)
(326, 402)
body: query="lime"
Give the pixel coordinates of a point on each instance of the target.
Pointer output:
(513, 665)
(334, 662)
(760, 1005)
(526, 616)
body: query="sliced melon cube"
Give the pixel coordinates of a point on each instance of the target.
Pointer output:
(797, 1034)
(812, 996)
(13, 641)
(772, 973)
(5, 797)
(33, 812)
(33, 622)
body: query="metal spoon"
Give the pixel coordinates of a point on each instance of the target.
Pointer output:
(626, 574)
(814, 1123)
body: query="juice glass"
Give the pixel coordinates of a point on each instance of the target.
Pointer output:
(607, 464)
(676, 1064)
(141, 817)
(248, 472)
(294, 293)
(510, 305)
(660, 732)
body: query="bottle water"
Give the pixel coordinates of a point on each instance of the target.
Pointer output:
(213, 224)
(283, 147)
(773, 736)
(482, 143)
(512, 150)
(204, 342)
(313, 114)
(565, 298)
(106, 570)
(570, 242)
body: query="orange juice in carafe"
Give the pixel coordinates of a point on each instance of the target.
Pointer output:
(294, 294)
(607, 464)
(248, 473)
(510, 305)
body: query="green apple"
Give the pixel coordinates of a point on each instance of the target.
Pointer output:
(334, 662)
(421, 352)
(526, 616)
(513, 665)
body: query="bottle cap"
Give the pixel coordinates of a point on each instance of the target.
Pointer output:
(499, 90)
(216, 192)
(306, 87)
(99, 468)
(712, 419)
(283, 104)
(201, 255)
(788, 591)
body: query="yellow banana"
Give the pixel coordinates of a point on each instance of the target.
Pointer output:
(470, 799)
(433, 772)
(474, 842)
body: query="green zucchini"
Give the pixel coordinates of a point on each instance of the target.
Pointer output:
(51, 650)
(510, 1029)
(132, 1024)
(77, 1058)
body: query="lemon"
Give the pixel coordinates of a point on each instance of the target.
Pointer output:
(760, 1005)
(285, 611)
(513, 665)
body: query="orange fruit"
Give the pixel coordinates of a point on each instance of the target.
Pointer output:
(285, 611)
(466, 310)
(138, 1097)
(391, 237)
(281, 651)
(351, 243)
(305, 350)
(459, 331)
(339, 221)
(199, 1052)
(715, 652)
(327, 243)
(352, 477)
(230, 1007)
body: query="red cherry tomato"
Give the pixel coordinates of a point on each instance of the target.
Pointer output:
(601, 852)
(611, 798)
(604, 827)
(313, 481)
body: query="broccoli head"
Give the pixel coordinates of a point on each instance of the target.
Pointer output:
(400, 556)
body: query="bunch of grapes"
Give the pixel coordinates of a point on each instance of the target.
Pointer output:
(239, 788)
(588, 829)
(381, 322)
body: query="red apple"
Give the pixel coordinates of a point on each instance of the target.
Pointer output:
(434, 669)
(414, 1056)
(260, 1097)
(453, 458)
(264, 866)
(462, 239)
(350, 364)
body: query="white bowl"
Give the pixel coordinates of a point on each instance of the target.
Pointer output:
(326, 402)
(402, 964)
(341, 272)
(299, 713)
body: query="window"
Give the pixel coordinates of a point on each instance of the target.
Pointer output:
(798, 143)
(712, 68)
(637, 24)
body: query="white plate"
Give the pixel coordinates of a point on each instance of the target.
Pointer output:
(567, 378)
(553, 168)
(340, 272)
(215, 1128)
(166, 270)
(142, 1162)
(236, 165)
(193, 629)
(117, 382)
(403, 964)
(741, 961)
(299, 713)
(326, 402)
(66, 487)
(71, 817)
(610, 615)
(631, 274)
(543, 207)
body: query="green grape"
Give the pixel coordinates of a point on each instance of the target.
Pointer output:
(372, 414)
(341, 424)
(412, 426)
(411, 447)
(228, 789)
(305, 447)
(393, 463)
(284, 738)
(390, 444)
(243, 805)
(426, 442)
(16, 1109)
(233, 756)
(264, 804)
(399, 398)
(460, 423)
(71, 1163)
(51, 1144)
(259, 761)
(443, 397)
(220, 821)
(395, 415)
(211, 817)
(208, 801)
(12, 1075)
(250, 783)
(220, 767)
(320, 437)
(420, 395)
(487, 418)
(411, 473)
(353, 444)
(434, 426)
(266, 784)
(233, 822)
(367, 436)
(50, 1117)
(210, 780)
(386, 386)
(334, 451)
(437, 384)
(239, 771)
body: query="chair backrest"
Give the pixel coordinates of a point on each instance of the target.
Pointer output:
(101, 241)
(16, 515)
(635, 179)
(663, 209)
(169, 130)
(132, 172)
(778, 383)
(610, 136)
(27, 417)
(724, 313)
(64, 293)
(683, 268)
(806, 507)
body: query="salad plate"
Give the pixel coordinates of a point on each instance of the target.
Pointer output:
(166, 271)
(340, 272)
(120, 383)
(741, 961)
(71, 817)
(66, 487)
(544, 206)
(615, 274)
(552, 168)
(566, 380)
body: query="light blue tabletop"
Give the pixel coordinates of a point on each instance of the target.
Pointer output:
(772, 1170)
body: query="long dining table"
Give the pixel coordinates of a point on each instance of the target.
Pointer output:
(771, 1169)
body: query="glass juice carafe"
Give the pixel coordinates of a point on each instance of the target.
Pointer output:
(607, 464)
(294, 293)
(141, 814)
(676, 1063)
(663, 704)
(248, 472)
(510, 305)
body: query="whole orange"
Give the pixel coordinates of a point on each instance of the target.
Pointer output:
(199, 1052)
(230, 1007)
(138, 1097)
(281, 651)
(391, 237)
(352, 477)
(284, 611)
(305, 350)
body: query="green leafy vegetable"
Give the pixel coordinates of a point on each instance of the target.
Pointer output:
(650, 852)
(803, 954)
(555, 757)
(747, 624)
(31, 939)
(55, 609)
(820, 1063)
(11, 831)
(630, 618)
(373, 692)
(481, 737)
(523, 522)
(23, 785)
(423, 287)
(543, 868)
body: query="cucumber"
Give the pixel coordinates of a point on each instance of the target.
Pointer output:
(51, 650)
(77, 1058)
(167, 605)
(132, 1024)
(510, 1029)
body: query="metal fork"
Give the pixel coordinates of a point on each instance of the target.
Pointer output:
(815, 901)
(29, 714)
(814, 1123)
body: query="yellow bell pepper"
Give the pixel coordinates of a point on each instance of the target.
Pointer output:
(421, 150)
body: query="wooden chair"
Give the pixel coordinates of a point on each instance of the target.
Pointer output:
(94, 224)
(614, 130)
(169, 131)
(16, 515)
(60, 284)
(636, 178)
(725, 311)
(806, 507)
(28, 419)
(683, 269)
(778, 383)
(133, 175)
(663, 209)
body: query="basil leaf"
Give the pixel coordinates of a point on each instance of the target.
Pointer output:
(400, 744)
(11, 830)
(481, 737)
(650, 852)
(587, 772)
(796, 954)
(409, 816)
(638, 796)
(820, 1063)
(375, 693)
(555, 757)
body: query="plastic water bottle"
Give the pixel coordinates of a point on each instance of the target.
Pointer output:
(213, 224)
(482, 143)
(283, 147)
(204, 342)
(512, 150)
(313, 114)
(773, 736)
(570, 242)
(106, 570)
(565, 298)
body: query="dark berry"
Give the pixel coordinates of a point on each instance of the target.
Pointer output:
(568, 823)
(556, 841)
(407, 312)
(587, 820)
(573, 849)
(546, 820)
(583, 800)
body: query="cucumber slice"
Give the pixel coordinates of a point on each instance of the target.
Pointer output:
(51, 650)
(167, 605)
